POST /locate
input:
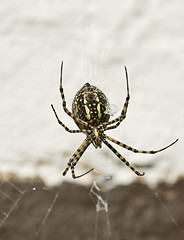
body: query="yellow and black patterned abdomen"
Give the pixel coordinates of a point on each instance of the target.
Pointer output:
(90, 105)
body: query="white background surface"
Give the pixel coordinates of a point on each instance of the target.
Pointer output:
(95, 39)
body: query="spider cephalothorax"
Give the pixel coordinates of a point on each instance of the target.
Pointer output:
(95, 135)
(89, 111)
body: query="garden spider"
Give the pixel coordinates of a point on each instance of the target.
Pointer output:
(89, 111)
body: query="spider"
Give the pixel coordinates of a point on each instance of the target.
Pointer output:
(89, 111)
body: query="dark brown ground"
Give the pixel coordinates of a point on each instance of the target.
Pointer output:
(30, 211)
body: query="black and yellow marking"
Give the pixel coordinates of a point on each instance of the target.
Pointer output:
(75, 158)
(90, 105)
(122, 158)
(64, 101)
(139, 151)
(119, 119)
(63, 125)
(68, 166)
(87, 110)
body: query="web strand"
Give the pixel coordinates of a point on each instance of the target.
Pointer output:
(101, 211)
(168, 212)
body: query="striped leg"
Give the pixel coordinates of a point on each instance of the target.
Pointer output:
(62, 124)
(119, 119)
(75, 158)
(139, 151)
(112, 127)
(73, 172)
(64, 101)
(122, 158)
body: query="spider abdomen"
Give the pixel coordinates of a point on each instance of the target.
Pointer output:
(90, 105)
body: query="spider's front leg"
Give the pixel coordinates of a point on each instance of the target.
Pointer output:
(119, 119)
(76, 157)
(121, 157)
(64, 101)
(139, 151)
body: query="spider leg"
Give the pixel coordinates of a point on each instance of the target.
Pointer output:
(139, 151)
(75, 158)
(121, 157)
(73, 172)
(63, 125)
(64, 101)
(119, 119)
(112, 127)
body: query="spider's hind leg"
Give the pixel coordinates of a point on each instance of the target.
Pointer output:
(64, 101)
(63, 125)
(119, 119)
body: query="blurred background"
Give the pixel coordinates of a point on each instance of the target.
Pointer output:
(95, 39)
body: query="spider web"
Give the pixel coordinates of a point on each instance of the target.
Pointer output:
(32, 211)
(102, 222)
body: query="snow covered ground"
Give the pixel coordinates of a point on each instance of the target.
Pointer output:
(95, 39)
